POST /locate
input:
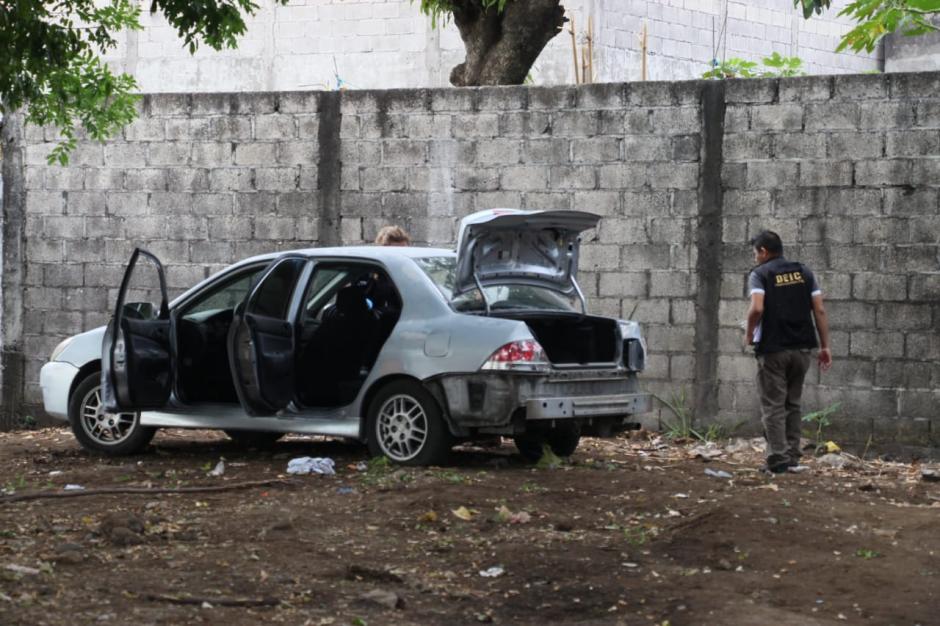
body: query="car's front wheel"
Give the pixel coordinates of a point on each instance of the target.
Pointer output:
(113, 434)
(405, 424)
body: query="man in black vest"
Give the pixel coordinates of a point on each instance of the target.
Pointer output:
(785, 303)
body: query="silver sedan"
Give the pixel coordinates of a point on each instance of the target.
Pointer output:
(407, 349)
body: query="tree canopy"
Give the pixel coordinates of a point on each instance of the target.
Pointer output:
(877, 18)
(51, 57)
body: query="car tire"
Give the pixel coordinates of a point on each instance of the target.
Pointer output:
(530, 445)
(564, 438)
(112, 434)
(253, 438)
(406, 425)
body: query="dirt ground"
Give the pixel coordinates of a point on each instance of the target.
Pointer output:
(629, 531)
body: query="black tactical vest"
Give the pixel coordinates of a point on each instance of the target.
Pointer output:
(787, 323)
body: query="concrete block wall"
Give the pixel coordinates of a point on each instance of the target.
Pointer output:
(845, 168)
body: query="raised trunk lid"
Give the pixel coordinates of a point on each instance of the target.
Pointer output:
(516, 247)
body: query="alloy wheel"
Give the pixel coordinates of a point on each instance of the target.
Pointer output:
(105, 428)
(402, 427)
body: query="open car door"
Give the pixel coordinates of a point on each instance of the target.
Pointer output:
(262, 342)
(137, 351)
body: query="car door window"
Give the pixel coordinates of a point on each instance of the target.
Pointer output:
(272, 298)
(225, 296)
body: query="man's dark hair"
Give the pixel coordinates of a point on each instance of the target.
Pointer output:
(769, 241)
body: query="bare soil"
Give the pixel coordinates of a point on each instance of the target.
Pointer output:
(629, 531)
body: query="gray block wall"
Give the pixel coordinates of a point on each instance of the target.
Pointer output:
(846, 168)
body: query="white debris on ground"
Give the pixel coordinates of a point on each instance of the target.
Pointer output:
(311, 465)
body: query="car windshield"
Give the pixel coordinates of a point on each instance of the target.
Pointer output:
(442, 271)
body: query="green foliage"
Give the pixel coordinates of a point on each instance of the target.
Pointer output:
(773, 66)
(820, 419)
(439, 10)
(865, 553)
(51, 63)
(876, 18)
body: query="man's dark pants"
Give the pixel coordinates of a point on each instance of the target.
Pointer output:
(780, 378)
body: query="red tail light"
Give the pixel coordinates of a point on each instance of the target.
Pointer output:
(526, 354)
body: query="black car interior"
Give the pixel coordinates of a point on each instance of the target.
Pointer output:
(349, 312)
(342, 331)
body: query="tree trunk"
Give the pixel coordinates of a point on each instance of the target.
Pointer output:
(502, 47)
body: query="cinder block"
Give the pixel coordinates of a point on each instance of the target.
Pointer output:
(230, 228)
(748, 203)
(550, 151)
(476, 126)
(671, 339)
(187, 179)
(777, 117)
(477, 179)
(117, 154)
(622, 284)
(855, 145)
(770, 174)
(805, 89)
(645, 256)
(674, 175)
(602, 96)
(185, 227)
(853, 202)
(572, 177)
(276, 228)
(499, 152)
(551, 98)
(902, 374)
(127, 204)
(733, 175)
(597, 257)
(97, 228)
(48, 202)
(914, 85)
(404, 152)
(383, 179)
(595, 150)
(895, 316)
(154, 154)
(926, 172)
(299, 102)
(651, 93)
(444, 153)
(275, 127)
(145, 179)
(524, 178)
(825, 173)
(747, 146)
(62, 275)
(928, 113)
(749, 90)
(277, 178)
(925, 287)
(912, 143)
(503, 98)
(192, 129)
(600, 202)
(671, 284)
(574, 123)
(870, 286)
(922, 346)
(643, 148)
(860, 87)
(212, 204)
(832, 116)
(552, 201)
(212, 154)
(623, 230)
(433, 126)
(231, 179)
(800, 145)
(884, 172)
(878, 115)
(907, 202)
(255, 153)
(224, 129)
(676, 120)
(882, 230)
(145, 129)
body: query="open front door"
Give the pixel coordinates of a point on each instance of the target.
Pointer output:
(261, 342)
(137, 351)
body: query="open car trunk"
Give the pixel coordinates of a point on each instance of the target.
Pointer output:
(571, 339)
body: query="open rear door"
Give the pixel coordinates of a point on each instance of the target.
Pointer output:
(137, 351)
(261, 340)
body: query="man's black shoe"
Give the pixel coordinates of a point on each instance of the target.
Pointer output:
(780, 468)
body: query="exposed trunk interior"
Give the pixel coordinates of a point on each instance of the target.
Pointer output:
(573, 339)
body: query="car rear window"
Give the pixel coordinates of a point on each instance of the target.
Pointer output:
(442, 271)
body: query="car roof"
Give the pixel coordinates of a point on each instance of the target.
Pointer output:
(378, 253)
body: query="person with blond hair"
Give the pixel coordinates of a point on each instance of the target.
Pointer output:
(393, 236)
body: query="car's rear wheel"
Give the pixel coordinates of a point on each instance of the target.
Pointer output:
(253, 438)
(406, 425)
(563, 440)
(113, 434)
